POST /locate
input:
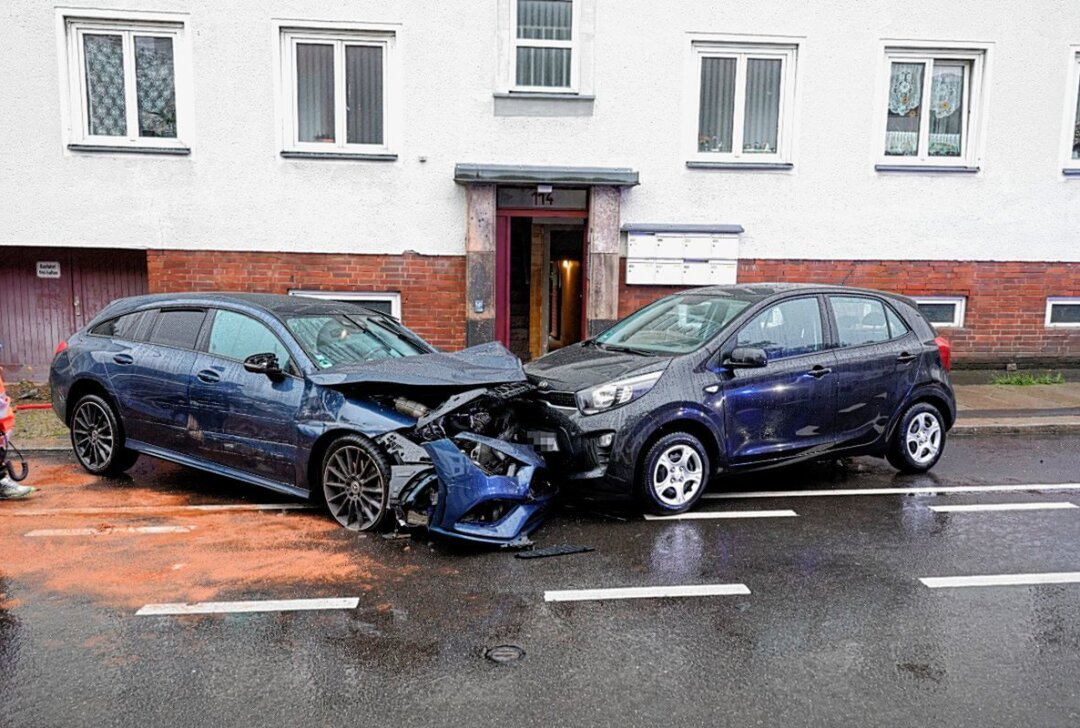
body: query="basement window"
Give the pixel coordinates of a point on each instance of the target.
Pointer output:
(383, 302)
(943, 311)
(1063, 313)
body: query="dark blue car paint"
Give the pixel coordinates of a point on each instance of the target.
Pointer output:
(752, 418)
(208, 412)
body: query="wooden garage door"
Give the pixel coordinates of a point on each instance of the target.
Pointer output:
(38, 312)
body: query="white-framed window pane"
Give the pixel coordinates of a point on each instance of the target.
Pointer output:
(1065, 313)
(105, 102)
(905, 109)
(717, 105)
(762, 110)
(548, 67)
(939, 313)
(1076, 127)
(315, 92)
(364, 94)
(947, 110)
(545, 19)
(155, 86)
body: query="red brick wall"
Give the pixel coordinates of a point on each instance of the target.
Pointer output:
(431, 287)
(1006, 302)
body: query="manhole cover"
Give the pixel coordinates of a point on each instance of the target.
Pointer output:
(504, 653)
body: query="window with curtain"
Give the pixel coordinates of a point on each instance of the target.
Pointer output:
(1076, 124)
(126, 79)
(928, 114)
(338, 84)
(742, 102)
(544, 44)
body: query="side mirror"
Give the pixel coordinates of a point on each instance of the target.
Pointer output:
(264, 364)
(747, 357)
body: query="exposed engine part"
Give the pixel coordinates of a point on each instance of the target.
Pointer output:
(411, 408)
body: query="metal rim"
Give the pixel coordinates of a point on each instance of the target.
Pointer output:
(923, 438)
(93, 436)
(677, 475)
(354, 488)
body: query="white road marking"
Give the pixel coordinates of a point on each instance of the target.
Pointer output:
(1058, 506)
(704, 515)
(895, 491)
(100, 531)
(271, 605)
(158, 509)
(1064, 577)
(646, 592)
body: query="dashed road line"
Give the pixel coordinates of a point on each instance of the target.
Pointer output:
(978, 508)
(944, 582)
(159, 509)
(271, 605)
(646, 592)
(706, 515)
(828, 493)
(48, 532)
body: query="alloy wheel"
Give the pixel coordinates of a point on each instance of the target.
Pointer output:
(923, 439)
(354, 488)
(677, 475)
(92, 435)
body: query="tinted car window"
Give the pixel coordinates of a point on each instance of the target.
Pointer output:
(790, 328)
(673, 325)
(179, 328)
(236, 336)
(121, 327)
(859, 320)
(897, 327)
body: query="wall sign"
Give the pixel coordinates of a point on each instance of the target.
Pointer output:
(48, 269)
(557, 198)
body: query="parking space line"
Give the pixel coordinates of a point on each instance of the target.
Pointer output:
(158, 509)
(894, 491)
(646, 592)
(45, 532)
(705, 515)
(270, 605)
(940, 582)
(1004, 507)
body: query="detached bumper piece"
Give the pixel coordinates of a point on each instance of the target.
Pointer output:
(476, 489)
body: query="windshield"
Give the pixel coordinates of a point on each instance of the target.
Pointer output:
(333, 339)
(673, 325)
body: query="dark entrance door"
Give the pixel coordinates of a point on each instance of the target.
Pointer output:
(40, 305)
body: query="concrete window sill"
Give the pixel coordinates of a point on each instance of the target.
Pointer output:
(1071, 171)
(354, 156)
(925, 169)
(116, 149)
(542, 104)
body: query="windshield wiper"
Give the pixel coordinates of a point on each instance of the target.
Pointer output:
(626, 349)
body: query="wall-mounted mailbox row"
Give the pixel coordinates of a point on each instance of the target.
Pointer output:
(682, 247)
(681, 260)
(681, 272)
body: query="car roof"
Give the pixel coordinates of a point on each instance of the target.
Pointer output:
(761, 291)
(276, 304)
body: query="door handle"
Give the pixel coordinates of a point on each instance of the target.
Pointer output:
(123, 358)
(209, 376)
(819, 371)
(905, 357)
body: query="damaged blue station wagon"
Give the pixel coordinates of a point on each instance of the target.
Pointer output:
(311, 398)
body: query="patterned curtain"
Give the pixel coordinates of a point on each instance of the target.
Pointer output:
(717, 105)
(105, 84)
(155, 86)
(905, 109)
(762, 112)
(947, 107)
(364, 94)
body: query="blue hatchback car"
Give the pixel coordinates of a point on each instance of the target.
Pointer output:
(306, 397)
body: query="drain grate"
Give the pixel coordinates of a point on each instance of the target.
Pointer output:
(504, 653)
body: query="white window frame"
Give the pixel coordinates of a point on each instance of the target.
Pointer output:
(783, 49)
(1072, 97)
(339, 36)
(959, 312)
(975, 101)
(1056, 300)
(391, 297)
(72, 25)
(574, 44)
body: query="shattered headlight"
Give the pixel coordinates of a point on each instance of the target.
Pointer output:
(614, 394)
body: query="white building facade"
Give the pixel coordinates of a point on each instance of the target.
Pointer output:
(530, 170)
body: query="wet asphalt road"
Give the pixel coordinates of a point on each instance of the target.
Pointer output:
(836, 630)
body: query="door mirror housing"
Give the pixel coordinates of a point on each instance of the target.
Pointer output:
(264, 364)
(746, 357)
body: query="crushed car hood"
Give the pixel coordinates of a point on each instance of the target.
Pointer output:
(579, 366)
(476, 366)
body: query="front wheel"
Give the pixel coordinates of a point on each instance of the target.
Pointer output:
(673, 475)
(356, 482)
(919, 439)
(98, 438)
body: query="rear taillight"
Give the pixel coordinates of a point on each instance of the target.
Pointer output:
(945, 349)
(62, 346)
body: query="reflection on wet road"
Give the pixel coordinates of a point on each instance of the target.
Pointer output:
(931, 602)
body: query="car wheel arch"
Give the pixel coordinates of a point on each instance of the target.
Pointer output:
(691, 426)
(930, 396)
(82, 387)
(318, 451)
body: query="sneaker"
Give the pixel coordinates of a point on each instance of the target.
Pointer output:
(10, 490)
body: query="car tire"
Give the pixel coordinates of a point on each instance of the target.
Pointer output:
(97, 437)
(918, 440)
(673, 474)
(355, 480)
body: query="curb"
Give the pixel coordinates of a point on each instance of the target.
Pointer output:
(1014, 428)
